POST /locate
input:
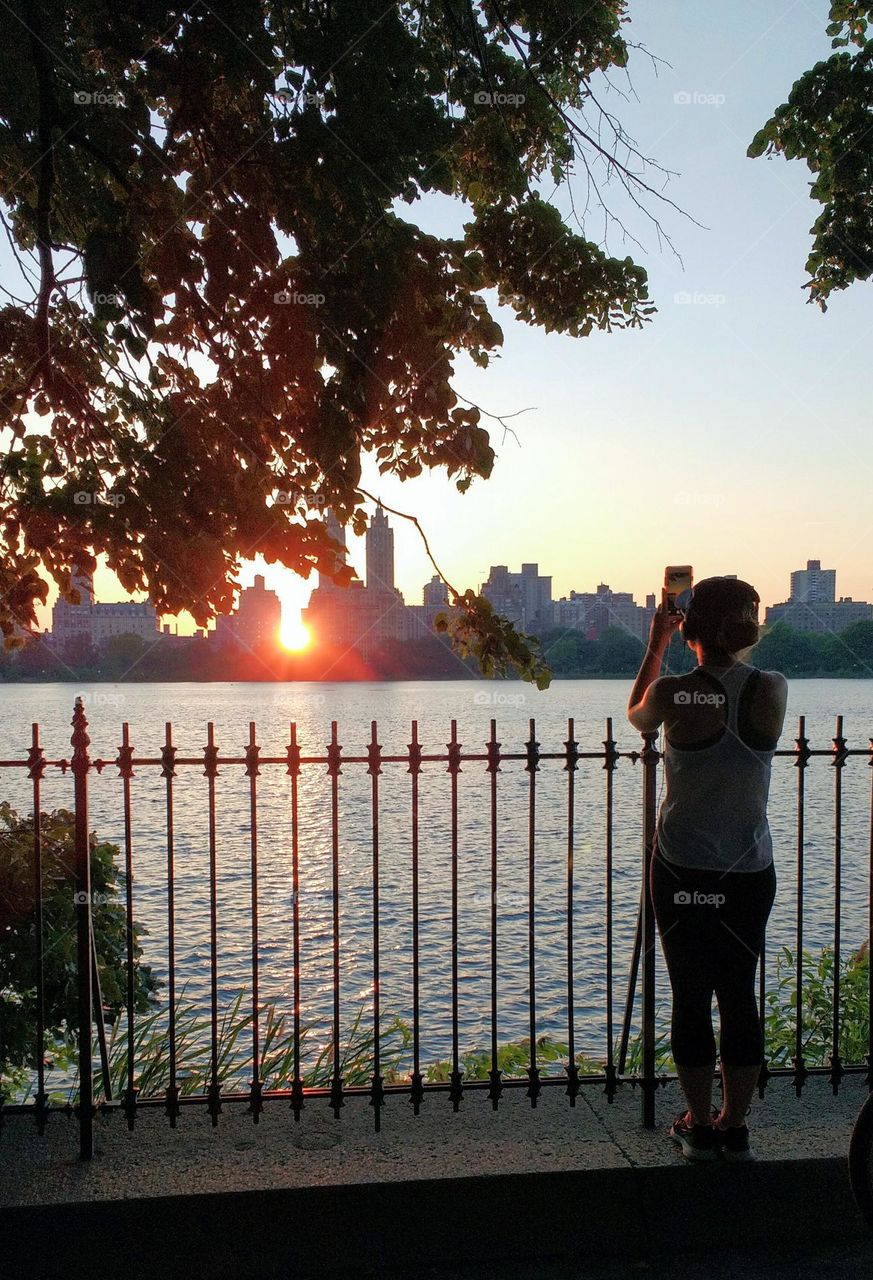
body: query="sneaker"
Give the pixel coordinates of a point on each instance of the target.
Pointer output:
(695, 1141)
(733, 1143)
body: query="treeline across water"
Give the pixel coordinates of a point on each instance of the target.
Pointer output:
(569, 653)
(131, 658)
(794, 653)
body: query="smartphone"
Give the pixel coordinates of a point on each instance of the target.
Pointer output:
(678, 580)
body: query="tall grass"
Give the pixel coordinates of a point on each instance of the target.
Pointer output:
(357, 1052)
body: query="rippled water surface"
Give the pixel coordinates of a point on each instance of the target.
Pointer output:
(394, 706)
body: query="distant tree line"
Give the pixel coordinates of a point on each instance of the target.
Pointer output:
(810, 653)
(781, 648)
(569, 653)
(131, 658)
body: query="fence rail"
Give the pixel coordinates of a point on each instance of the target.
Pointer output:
(95, 1088)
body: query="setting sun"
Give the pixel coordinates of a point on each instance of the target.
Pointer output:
(295, 635)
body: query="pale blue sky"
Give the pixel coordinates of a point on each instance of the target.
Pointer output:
(733, 432)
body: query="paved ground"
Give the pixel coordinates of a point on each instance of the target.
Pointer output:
(156, 1160)
(520, 1193)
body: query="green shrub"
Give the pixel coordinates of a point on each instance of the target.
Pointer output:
(780, 1012)
(817, 986)
(18, 996)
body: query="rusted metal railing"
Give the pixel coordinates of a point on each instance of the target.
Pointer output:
(94, 1091)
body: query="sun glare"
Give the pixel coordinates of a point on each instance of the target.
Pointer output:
(295, 635)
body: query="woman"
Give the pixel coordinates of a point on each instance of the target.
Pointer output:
(712, 878)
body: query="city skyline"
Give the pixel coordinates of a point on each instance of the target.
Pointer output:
(372, 609)
(295, 597)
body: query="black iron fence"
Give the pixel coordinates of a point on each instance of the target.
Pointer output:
(95, 1089)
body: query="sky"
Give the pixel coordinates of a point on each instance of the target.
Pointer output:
(731, 433)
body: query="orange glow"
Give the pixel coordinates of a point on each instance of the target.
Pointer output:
(295, 635)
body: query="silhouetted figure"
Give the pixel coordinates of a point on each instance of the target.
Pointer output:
(713, 881)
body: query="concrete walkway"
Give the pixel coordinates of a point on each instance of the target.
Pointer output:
(439, 1189)
(238, 1155)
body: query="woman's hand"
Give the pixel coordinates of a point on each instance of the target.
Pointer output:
(645, 708)
(663, 625)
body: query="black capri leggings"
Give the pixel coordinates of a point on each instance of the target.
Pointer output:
(712, 925)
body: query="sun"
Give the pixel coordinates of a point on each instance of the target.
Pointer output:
(295, 635)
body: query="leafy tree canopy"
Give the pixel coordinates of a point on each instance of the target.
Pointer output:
(828, 122)
(226, 296)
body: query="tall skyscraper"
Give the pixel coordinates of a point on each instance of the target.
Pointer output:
(380, 553)
(435, 594)
(812, 605)
(72, 622)
(524, 598)
(813, 585)
(258, 616)
(359, 615)
(337, 532)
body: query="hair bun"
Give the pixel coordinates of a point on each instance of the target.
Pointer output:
(737, 633)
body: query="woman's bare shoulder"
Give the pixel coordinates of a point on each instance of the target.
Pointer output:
(774, 681)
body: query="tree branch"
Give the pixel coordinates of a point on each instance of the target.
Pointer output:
(404, 515)
(45, 186)
(628, 178)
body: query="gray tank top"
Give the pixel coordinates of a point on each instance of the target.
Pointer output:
(714, 813)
